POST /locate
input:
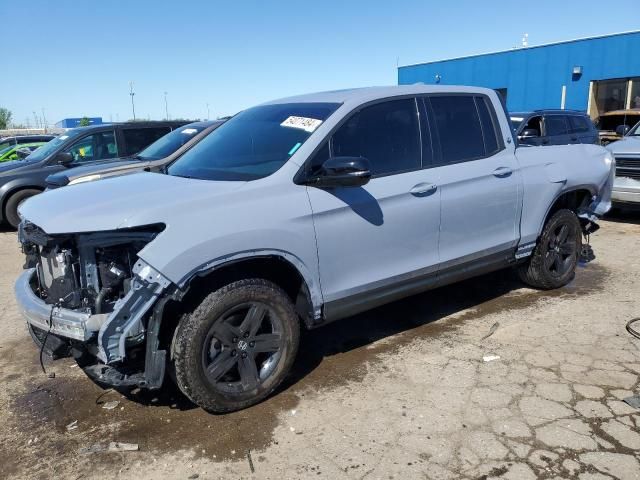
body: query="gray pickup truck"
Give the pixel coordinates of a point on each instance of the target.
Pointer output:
(626, 188)
(292, 214)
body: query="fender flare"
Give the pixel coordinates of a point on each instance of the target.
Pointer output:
(574, 188)
(312, 284)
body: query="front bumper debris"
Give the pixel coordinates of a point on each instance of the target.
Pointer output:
(76, 325)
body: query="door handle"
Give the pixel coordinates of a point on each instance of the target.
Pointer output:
(502, 172)
(423, 189)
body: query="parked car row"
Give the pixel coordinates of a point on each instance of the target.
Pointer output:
(293, 213)
(21, 179)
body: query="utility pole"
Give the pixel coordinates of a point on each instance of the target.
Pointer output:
(208, 115)
(44, 121)
(35, 117)
(166, 108)
(133, 107)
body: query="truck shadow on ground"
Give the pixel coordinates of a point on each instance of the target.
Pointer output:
(624, 216)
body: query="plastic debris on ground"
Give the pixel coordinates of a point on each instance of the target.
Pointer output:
(633, 401)
(491, 358)
(111, 405)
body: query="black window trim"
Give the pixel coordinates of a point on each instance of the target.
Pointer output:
(303, 175)
(438, 161)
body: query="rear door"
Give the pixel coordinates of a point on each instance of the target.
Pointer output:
(582, 129)
(556, 129)
(374, 241)
(478, 182)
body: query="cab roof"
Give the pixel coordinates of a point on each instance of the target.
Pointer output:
(367, 94)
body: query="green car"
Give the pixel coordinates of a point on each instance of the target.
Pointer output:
(11, 152)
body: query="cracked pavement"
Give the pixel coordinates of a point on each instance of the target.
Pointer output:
(398, 392)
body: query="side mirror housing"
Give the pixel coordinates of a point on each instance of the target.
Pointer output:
(529, 133)
(343, 172)
(622, 130)
(64, 158)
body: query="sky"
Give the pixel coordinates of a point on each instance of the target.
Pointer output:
(76, 58)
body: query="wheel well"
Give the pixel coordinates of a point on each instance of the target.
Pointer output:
(574, 201)
(11, 193)
(272, 268)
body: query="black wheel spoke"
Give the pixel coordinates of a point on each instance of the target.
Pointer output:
(221, 365)
(226, 333)
(566, 249)
(248, 371)
(563, 234)
(550, 259)
(558, 263)
(253, 319)
(268, 342)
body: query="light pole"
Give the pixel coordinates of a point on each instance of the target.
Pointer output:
(131, 92)
(166, 108)
(44, 120)
(208, 115)
(35, 117)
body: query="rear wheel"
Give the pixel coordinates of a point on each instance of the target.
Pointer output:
(237, 346)
(555, 257)
(14, 201)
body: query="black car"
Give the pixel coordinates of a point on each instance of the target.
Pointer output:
(24, 178)
(153, 158)
(554, 127)
(21, 139)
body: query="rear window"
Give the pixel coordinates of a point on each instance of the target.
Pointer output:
(488, 126)
(579, 124)
(459, 129)
(136, 139)
(556, 125)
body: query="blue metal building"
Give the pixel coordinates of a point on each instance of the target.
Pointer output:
(75, 122)
(595, 74)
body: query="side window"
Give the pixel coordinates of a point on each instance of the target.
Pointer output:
(534, 123)
(387, 134)
(579, 124)
(489, 130)
(556, 125)
(136, 139)
(458, 126)
(98, 146)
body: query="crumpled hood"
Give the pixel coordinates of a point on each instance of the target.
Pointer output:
(626, 145)
(120, 202)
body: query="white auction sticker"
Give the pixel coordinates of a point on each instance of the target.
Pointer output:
(303, 123)
(189, 131)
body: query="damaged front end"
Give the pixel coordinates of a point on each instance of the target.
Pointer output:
(90, 294)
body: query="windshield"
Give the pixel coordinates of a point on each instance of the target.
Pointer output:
(516, 122)
(611, 122)
(635, 131)
(52, 145)
(165, 146)
(253, 144)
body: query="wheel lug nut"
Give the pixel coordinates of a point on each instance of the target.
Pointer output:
(252, 344)
(235, 339)
(244, 355)
(246, 334)
(233, 353)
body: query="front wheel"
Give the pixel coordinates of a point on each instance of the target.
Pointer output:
(14, 201)
(554, 260)
(237, 346)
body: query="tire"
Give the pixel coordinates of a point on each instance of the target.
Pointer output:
(237, 346)
(11, 207)
(554, 260)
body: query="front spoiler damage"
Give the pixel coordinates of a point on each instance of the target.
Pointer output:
(105, 336)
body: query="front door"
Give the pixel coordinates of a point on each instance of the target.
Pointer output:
(374, 241)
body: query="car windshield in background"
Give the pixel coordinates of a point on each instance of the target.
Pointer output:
(253, 144)
(165, 146)
(516, 122)
(52, 145)
(635, 131)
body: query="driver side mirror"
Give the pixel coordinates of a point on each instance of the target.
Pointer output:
(64, 159)
(343, 172)
(529, 133)
(622, 130)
